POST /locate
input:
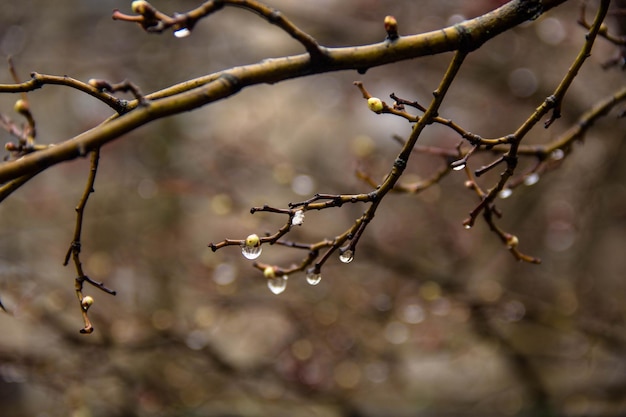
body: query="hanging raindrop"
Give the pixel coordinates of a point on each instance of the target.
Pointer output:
(313, 278)
(531, 179)
(251, 252)
(182, 33)
(278, 284)
(505, 193)
(346, 256)
(458, 165)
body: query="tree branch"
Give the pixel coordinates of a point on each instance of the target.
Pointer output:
(187, 96)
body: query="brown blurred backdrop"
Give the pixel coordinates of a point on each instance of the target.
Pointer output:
(429, 319)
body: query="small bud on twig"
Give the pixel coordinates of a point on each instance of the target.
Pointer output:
(391, 26)
(139, 6)
(375, 104)
(253, 241)
(100, 85)
(11, 147)
(21, 107)
(86, 302)
(269, 272)
(511, 241)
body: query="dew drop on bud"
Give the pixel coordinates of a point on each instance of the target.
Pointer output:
(251, 247)
(251, 252)
(278, 284)
(298, 218)
(531, 179)
(505, 193)
(182, 33)
(346, 256)
(313, 278)
(467, 226)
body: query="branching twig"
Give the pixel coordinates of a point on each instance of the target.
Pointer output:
(192, 94)
(462, 39)
(551, 103)
(346, 242)
(75, 247)
(39, 80)
(153, 20)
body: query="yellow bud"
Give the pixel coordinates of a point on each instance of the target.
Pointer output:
(269, 272)
(86, 302)
(139, 6)
(253, 241)
(604, 28)
(101, 85)
(21, 107)
(375, 104)
(511, 241)
(391, 27)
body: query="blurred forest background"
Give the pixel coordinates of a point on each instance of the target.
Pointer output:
(429, 319)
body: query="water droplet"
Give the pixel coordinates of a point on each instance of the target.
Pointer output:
(298, 218)
(531, 179)
(458, 165)
(467, 226)
(251, 252)
(278, 284)
(557, 154)
(505, 193)
(313, 278)
(182, 33)
(346, 256)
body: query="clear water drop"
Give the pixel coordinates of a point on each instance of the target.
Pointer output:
(346, 256)
(505, 193)
(298, 218)
(182, 33)
(251, 252)
(458, 165)
(313, 278)
(531, 179)
(467, 226)
(277, 285)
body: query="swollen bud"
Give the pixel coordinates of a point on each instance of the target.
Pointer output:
(375, 104)
(253, 241)
(11, 147)
(511, 241)
(269, 272)
(86, 302)
(139, 6)
(391, 26)
(100, 85)
(21, 107)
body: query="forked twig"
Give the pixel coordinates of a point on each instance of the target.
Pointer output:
(75, 247)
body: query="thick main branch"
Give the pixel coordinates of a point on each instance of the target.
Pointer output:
(466, 36)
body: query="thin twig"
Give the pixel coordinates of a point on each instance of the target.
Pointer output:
(75, 247)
